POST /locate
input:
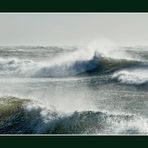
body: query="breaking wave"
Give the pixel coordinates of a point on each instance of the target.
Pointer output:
(21, 116)
(72, 64)
(28, 68)
(101, 56)
(134, 76)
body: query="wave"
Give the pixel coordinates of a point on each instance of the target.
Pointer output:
(22, 116)
(132, 76)
(69, 65)
(29, 68)
(99, 57)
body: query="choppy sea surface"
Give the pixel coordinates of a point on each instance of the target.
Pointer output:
(71, 90)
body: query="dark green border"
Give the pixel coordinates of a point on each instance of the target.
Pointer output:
(96, 141)
(74, 6)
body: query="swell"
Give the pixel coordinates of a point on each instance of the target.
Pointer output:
(21, 116)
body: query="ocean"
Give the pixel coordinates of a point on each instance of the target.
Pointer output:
(74, 90)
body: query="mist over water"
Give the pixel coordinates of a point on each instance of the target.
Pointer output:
(97, 89)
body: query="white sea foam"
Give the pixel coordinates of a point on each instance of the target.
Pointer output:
(136, 76)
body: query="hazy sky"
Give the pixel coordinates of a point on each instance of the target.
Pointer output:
(71, 29)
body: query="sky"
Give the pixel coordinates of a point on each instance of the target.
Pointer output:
(47, 29)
